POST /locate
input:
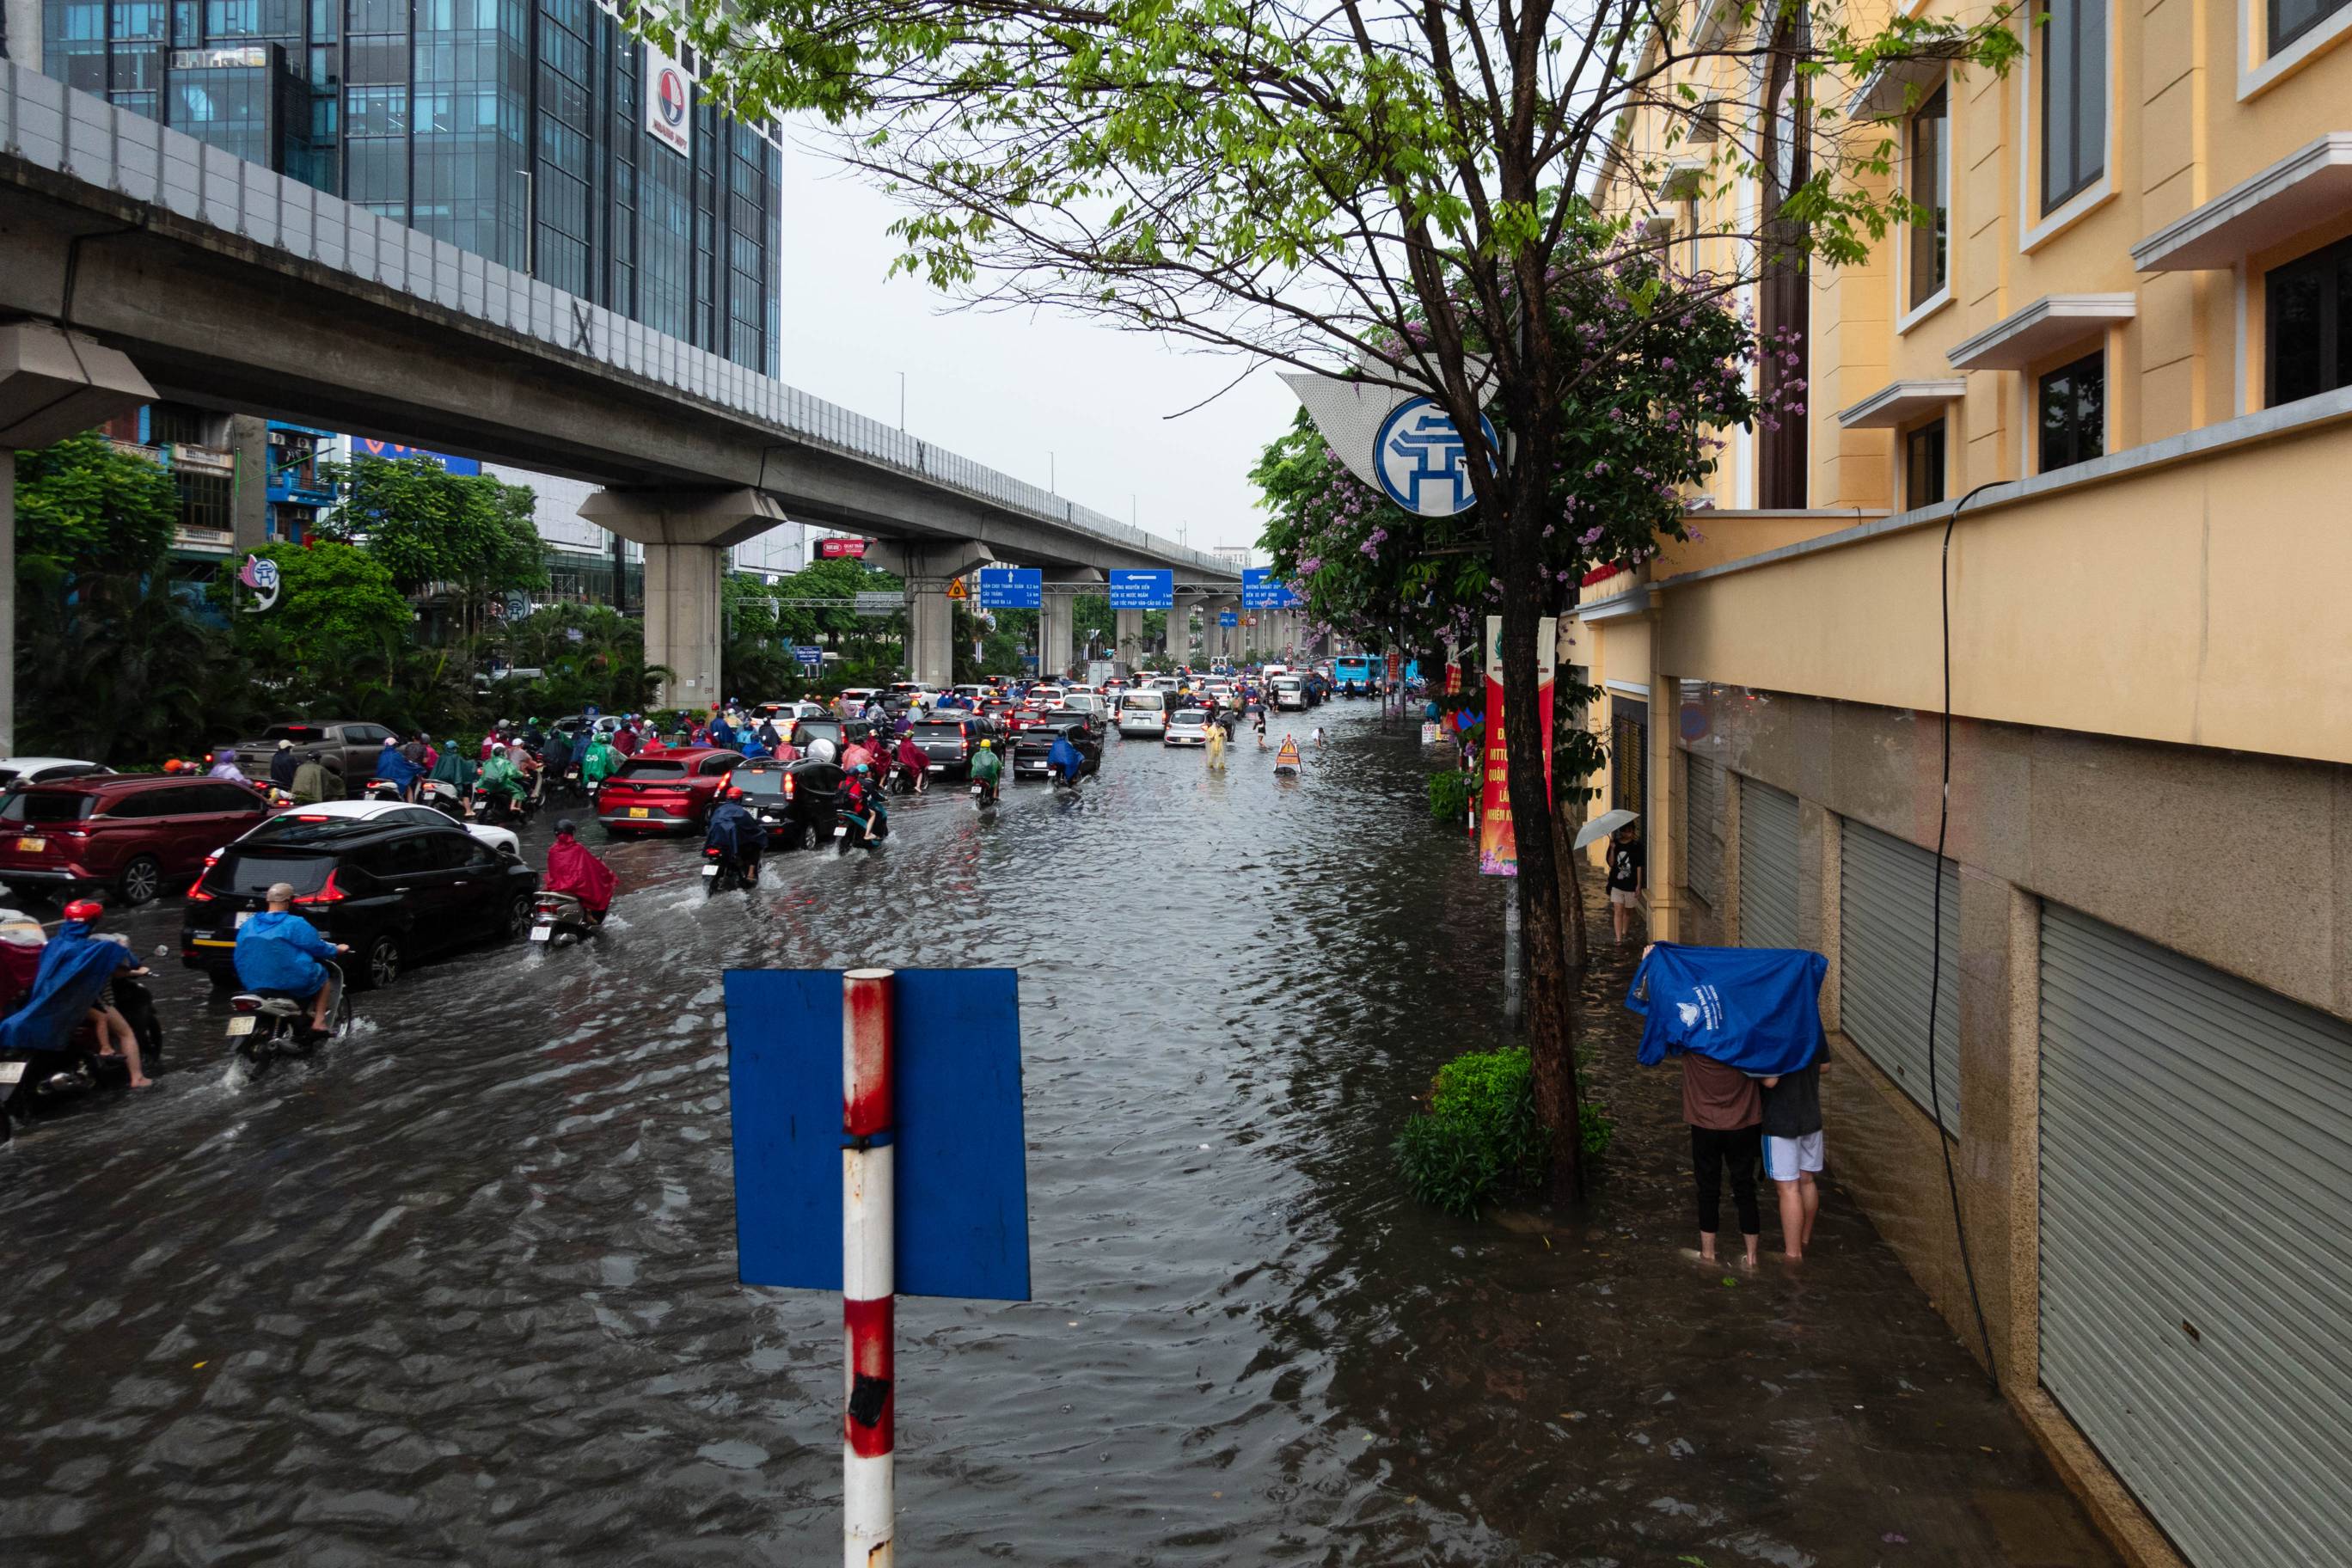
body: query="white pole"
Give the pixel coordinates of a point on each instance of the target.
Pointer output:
(868, 1274)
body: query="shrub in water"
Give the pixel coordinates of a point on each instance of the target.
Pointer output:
(1449, 796)
(1481, 1136)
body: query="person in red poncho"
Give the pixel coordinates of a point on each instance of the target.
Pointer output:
(573, 868)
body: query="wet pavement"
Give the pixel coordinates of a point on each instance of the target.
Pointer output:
(463, 1289)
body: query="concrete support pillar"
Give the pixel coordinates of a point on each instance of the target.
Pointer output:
(51, 386)
(1127, 626)
(928, 566)
(1180, 628)
(686, 536)
(249, 441)
(1059, 616)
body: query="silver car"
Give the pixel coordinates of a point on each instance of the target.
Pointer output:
(1187, 727)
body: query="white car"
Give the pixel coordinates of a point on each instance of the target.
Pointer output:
(1187, 727)
(1289, 692)
(16, 771)
(1143, 713)
(501, 839)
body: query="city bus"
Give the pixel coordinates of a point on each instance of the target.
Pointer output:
(1356, 674)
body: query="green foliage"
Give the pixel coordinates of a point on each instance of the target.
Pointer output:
(1449, 795)
(431, 528)
(1481, 1138)
(604, 665)
(84, 506)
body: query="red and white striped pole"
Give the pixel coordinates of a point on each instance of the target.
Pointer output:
(868, 1273)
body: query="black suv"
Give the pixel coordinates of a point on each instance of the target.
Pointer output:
(1033, 746)
(793, 801)
(390, 891)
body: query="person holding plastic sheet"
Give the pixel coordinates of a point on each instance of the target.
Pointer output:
(1735, 1016)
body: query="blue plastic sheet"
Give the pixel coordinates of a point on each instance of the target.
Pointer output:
(1754, 1008)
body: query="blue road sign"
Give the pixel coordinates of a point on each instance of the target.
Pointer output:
(810, 656)
(1012, 588)
(1229, 617)
(1142, 590)
(1262, 590)
(963, 1208)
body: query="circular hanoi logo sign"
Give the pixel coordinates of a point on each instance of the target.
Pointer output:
(1421, 460)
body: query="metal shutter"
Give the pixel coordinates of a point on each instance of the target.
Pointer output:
(2196, 1288)
(1887, 898)
(1703, 829)
(1768, 866)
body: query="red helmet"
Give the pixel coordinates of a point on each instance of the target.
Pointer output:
(734, 791)
(84, 910)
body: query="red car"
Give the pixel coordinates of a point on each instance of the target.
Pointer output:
(139, 834)
(668, 791)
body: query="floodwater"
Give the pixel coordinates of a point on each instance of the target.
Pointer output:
(463, 1289)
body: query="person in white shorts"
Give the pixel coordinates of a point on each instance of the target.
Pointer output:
(1792, 1149)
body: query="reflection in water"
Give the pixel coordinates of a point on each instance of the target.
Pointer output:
(465, 1289)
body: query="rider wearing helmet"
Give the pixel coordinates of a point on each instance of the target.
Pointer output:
(279, 952)
(987, 768)
(734, 831)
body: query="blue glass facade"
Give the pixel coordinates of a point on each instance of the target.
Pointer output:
(514, 129)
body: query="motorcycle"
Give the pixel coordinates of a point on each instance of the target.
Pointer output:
(442, 796)
(501, 809)
(983, 794)
(557, 916)
(381, 789)
(34, 1081)
(725, 873)
(264, 1026)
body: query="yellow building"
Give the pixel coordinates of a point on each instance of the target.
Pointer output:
(2133, 321)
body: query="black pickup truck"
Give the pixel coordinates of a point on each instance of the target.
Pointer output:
(347, 750)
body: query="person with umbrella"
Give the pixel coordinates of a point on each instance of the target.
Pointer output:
(1627, 865)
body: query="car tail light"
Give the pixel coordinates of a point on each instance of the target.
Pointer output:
(328, 894)
(788, 786)
(196, 894)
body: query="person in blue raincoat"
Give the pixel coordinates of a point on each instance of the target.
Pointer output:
(733, 830)
(393, 767)
(277, 950)
(1066, 759)
(71, 984)
(722, 733)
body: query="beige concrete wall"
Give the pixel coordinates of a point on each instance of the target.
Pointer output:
(2201, 605)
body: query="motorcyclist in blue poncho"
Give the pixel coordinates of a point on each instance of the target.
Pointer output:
(280, 954)
(71, 986)
(395, 768)
(1065, 761)
(734, 831)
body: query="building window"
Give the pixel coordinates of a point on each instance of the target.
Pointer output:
(1931, 195)
(2074, 412)
(2309, 303)
(1923, 467)
(2290, 19)
(1629, 753)
(2073, 98)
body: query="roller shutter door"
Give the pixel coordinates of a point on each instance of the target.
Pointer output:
(1768, 866)
(1703, 829)
(2196, 1286)
(1886, 899)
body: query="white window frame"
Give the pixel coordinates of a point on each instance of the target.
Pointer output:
(2258, 74)
(1909, 316)
(2099, 191)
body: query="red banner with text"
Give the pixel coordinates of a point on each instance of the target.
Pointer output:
(1499, 842)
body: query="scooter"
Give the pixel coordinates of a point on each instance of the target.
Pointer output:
(35, 1081)
(499, 808)
(851, 831)
(725, 873)
(265, 1026)
(556, 917)
(983, 794)
(442, 796)
(381, 789)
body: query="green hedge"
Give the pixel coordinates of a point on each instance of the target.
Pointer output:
(1481, 1136)
(1449, 796)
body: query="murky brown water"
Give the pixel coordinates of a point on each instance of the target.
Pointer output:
(464, 1290)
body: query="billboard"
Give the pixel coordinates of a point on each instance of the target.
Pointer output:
(1012, 588)
(841, 549)
(394, 452)
(1261, 590)
(668, 97)
(1142, 590)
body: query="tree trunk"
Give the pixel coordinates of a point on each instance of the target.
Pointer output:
(1551, 991)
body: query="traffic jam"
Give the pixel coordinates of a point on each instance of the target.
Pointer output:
(424, 856)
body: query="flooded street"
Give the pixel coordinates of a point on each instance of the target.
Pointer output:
(463, 1289)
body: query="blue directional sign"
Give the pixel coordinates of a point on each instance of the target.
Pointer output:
(1142, 590)
(962, 1206)
(810, 656)
(1229, 617)
(1012, 588)
(1261, 590)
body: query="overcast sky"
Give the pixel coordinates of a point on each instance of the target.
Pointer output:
(1006, 389)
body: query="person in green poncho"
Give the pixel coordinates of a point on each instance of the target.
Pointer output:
(600, 761)
(500, 777)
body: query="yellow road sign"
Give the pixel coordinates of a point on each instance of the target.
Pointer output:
(955, 588)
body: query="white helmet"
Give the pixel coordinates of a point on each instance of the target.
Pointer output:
(820, 749)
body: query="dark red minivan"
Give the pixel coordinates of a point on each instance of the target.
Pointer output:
(139, 835)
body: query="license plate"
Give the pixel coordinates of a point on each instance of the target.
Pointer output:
(939, 767)
(541, 934)
(240, 1025)
(975, 789)
(840, 833)
(32, 845)
(710, 871)
(641, 811)
(243, 916)
(11, 1072)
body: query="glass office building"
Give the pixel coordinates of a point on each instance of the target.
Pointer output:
(527, 131)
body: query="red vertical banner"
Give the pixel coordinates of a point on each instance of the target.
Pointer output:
(1498, 841)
